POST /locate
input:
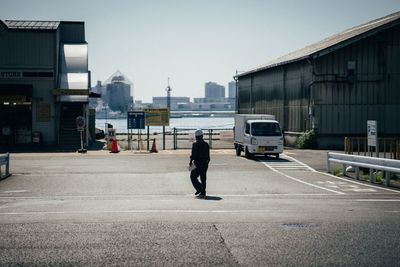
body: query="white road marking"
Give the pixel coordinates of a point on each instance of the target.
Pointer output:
(378, 200)
(301, 181)
(345, 186)
(114, 197)
(343, 179)
(15, 191)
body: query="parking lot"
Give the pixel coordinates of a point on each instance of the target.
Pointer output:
(139, 209)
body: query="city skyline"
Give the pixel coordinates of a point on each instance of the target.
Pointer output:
(194, 42)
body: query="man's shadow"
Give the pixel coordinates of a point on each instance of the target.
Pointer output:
(215, 198)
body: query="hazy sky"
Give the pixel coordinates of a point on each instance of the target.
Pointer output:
(193, 42)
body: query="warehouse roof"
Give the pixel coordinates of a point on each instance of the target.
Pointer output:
(31, 24)
(331, 43)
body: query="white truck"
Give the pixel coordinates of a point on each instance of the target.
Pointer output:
(257, 134)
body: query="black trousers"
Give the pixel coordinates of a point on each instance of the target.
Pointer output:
(200, 170)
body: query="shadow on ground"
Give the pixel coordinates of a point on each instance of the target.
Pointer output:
(97, 145)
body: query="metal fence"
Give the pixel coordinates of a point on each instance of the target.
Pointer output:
(387, 147)
(217, 138)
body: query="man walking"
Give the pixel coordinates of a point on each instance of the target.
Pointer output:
(201, 157)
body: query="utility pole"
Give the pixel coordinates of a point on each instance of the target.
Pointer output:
(168, 89)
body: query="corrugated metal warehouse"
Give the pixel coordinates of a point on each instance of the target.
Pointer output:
(333, 86)
(44, 82)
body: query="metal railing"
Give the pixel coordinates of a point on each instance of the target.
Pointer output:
(386, 165)
(387, 147)
(182, 138)
(5, 161)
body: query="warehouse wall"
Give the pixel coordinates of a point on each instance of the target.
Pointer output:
(342, 98)
(25, 49)
(372, 93)
(33, 52)
(280, 91)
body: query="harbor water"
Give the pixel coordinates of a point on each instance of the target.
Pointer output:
(179, 123)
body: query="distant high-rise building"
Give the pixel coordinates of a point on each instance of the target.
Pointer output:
(214, 90)
(232, 89)
(118, 92)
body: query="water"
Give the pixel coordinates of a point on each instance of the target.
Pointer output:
(183, 123)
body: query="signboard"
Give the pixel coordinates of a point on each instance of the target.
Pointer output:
(156, 116)
(43, 112)
(70, 92)
(372, 133)
(135, 120)
(10, 74)
(80, 123)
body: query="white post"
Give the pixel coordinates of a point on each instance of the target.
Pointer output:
(328, 164)
(387, 177)
(358, 173)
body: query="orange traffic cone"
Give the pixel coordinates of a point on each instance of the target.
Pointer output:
(114, 146)
(153, 147)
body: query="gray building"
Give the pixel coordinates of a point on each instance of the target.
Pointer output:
(44, 81)
(177, 102)
(214, 90)
(333, 86)
(232, 89)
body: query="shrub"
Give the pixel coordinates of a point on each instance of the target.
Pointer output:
(336, 171)
(307, 140)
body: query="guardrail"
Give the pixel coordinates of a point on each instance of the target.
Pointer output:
(386, 165)
(5, 161)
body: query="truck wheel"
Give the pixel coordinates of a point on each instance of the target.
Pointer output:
(248, 154)
(238, 150)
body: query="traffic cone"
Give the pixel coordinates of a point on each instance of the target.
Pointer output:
(153, 147)
(114, 146)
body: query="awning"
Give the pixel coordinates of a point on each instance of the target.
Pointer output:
(74, 74)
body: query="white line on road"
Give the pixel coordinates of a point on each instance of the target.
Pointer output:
(113, 197)
(301, 181)
(343, 179)
(378, 200)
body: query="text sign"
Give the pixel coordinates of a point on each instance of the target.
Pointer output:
(157, 116)
(10, 74)
(372, 133)
(135, 120)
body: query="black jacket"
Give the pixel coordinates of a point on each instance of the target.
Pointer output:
(200, 152)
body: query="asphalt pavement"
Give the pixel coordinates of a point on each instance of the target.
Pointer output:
(139, 209)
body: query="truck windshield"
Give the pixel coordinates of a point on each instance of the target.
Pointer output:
(265, 129)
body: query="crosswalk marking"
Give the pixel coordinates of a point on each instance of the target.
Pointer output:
(287, 165)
